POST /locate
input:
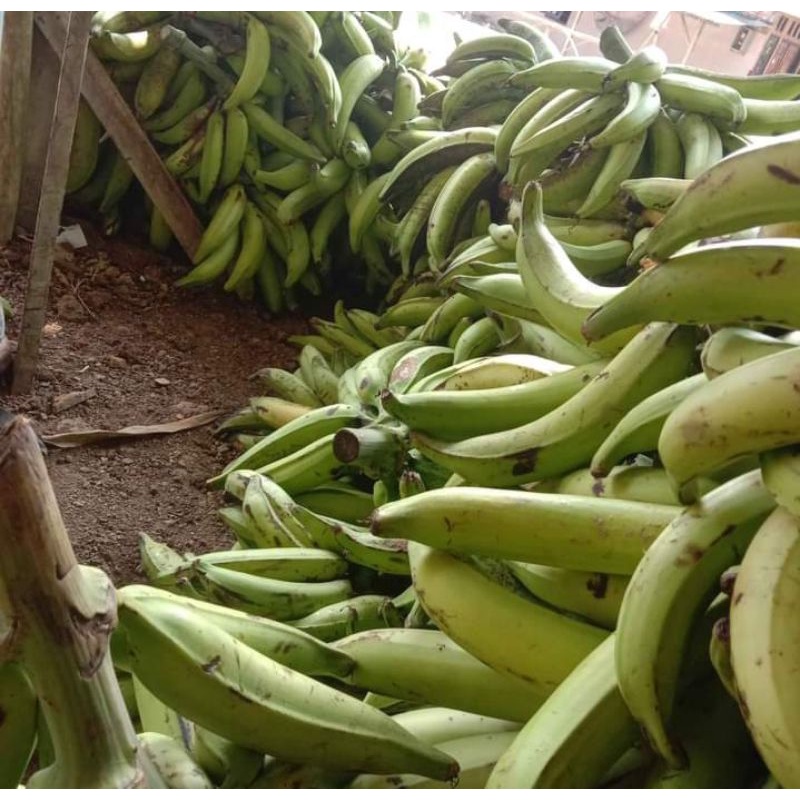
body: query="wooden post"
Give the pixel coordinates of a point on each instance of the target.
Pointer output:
(117, 118)
(38, 116)
(51, 200)
(60, 618)
(15, 70)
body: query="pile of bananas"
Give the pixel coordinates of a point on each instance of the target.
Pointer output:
(574, 515)
(275, 124)
(536, 524)
(322, 156)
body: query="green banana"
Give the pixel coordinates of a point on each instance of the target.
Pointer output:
(290, 438)
(476, 755)
(594, 596)
(355, 149)
(577, 734)
(85, 148)
(250, 700)
(266, 597)
(138, 45)
(758, 286)
(701, 143)
(227, 764)
(446, 149)
(173, 764)
(731, 347)
(211, 159)
(372, 373)
(673, 584)
(488, 79)
(499, 45)
(363, 214)
(271, 131)
(496, 523)
(288, 386)
(732, 416)
(781, 86)
(501, 292)
(468, 182)
(354, 81)
(665, 146)
(567, 437)
(646, 66)
(763, 645)
(416, 218)
(224, 222)
(236, 136)
(318, 375)
(641, 108)
(287, 178)
(416, 365)
(362, 613)
(753, 186)
(555, 287)
(517, 118)
(119, 181)
(328, 181)
(639, 429)
(298, 25)
(566, 184)
(428, 668)
(657, 193)
(186, 126)
(477, 339)
(618, 167)
(356, 545)
(642, 483)
(590, 116)
(694, 94)
(477, 613)
(305, 468)
(586, 73)
(214, 265)
(154, 82)
(542, 45)
(256, 64)
(455, 415)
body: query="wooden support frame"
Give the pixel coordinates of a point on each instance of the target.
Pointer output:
(15, 70)
(51, 200)
(117, 118)
(81, 72)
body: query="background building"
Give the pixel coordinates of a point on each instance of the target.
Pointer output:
(737, 42)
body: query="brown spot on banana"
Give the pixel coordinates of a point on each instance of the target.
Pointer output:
(783, 174)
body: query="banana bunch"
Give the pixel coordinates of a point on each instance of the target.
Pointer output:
(269, 122)
(310, 141)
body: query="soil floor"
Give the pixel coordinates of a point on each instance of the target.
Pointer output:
(147, 353)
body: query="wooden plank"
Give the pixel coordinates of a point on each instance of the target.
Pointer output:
(38, 117)
(51, 200)
(123, 127)
(15, 70)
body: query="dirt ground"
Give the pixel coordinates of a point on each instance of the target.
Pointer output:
(149, 353)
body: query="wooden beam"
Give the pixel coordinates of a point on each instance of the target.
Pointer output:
(15, 70)
(51, 200)
(38, 116)
(123, 127)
